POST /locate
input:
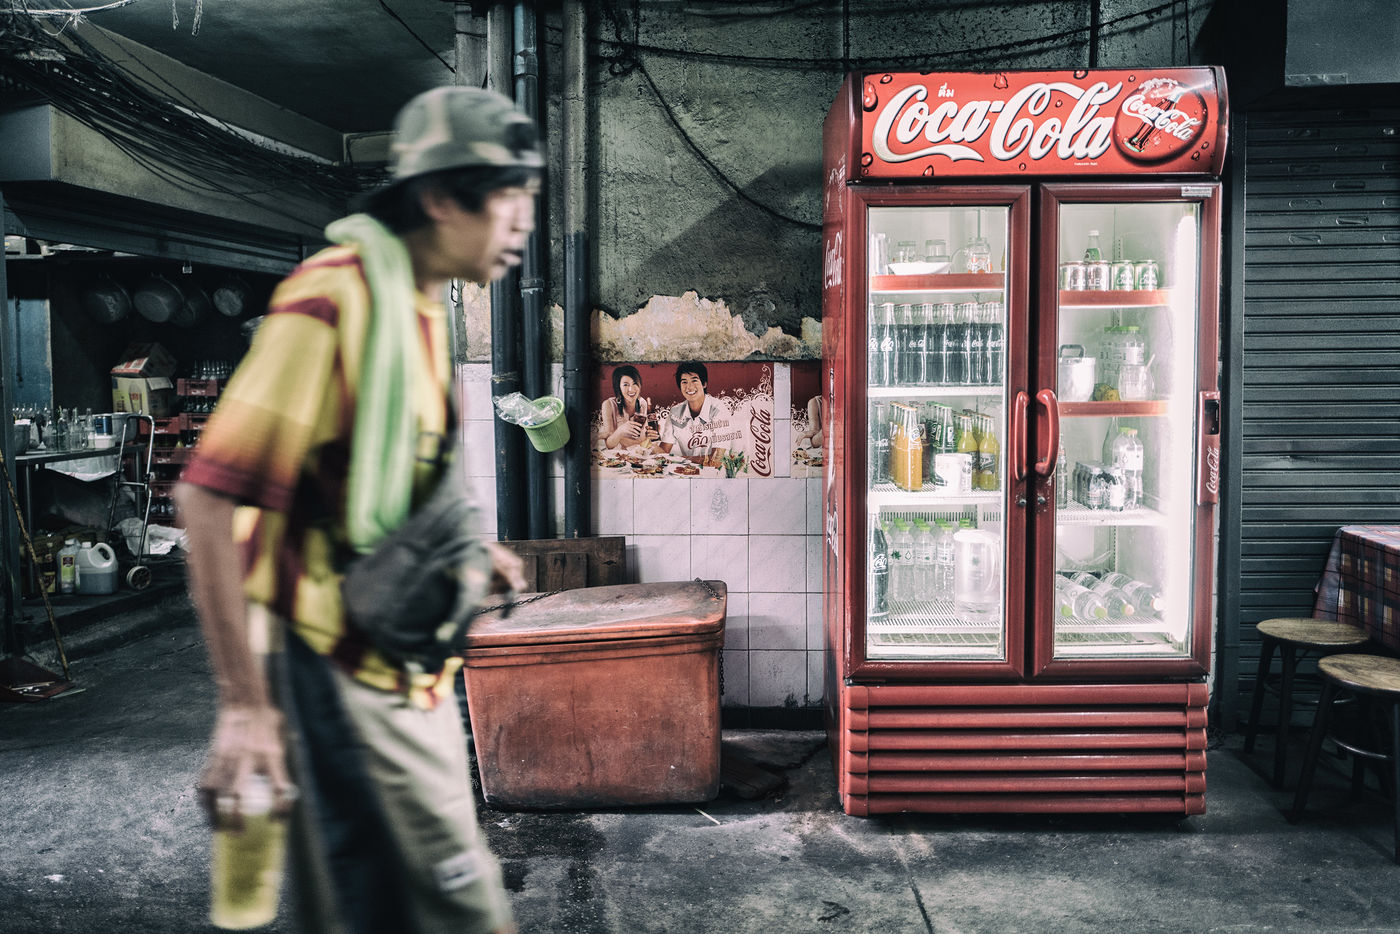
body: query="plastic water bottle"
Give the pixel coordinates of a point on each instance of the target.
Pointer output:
(1077, 600)
(923, 560)
(944, 563)
(1127, 454)
(898, 535)
(1144, 597)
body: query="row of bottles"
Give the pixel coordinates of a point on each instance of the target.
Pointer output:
(922, 559)
(931, 344)
(1095, 597)
(53, 430)
(1115, 483)
(917, 445)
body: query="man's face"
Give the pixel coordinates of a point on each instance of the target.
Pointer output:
(692, 388)
(481, 246)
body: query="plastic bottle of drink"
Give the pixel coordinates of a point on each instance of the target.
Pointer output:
(1061, 480)
(68, 566)
(901, 555)
(878, 597)
(1078, 600)
(1092, 252)
(1144, 597)
(923, 560)
(944, 558)
(1127, 454)
(904, 346)
(989, 455)
(1114, 599)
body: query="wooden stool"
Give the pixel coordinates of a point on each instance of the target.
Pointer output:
(1374, 676)
(1294, 639)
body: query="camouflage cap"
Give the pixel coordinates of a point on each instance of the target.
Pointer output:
(457, 128)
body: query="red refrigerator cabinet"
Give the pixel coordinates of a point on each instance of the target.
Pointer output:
(1020, 283)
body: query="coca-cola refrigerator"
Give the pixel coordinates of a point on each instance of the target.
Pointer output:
(1020, 289)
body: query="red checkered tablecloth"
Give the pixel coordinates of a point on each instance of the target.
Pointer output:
(1361, 584)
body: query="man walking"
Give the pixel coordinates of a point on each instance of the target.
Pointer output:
(336, 424)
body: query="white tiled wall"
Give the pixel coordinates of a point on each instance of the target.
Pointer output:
(762, 537)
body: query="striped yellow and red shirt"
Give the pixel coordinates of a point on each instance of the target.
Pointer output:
(279, 443)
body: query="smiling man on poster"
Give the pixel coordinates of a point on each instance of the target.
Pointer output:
(692, 426)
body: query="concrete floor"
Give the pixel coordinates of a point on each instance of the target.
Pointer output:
(101, 833)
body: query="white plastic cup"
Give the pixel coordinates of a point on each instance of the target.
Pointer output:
(246, 864)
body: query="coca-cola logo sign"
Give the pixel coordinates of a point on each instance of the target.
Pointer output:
(1159, 120)
(1040, 123)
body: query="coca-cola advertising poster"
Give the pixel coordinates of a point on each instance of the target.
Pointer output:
(1033, 123)
(808, 419)
(689, 419)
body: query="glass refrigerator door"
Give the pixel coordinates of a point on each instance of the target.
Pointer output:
(937, 417)
(1126, 364)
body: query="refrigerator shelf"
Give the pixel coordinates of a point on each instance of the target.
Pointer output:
(931, 392)
(887, 494)
(1112, 409)
(1079, 514)
(942, 282)
(1114, 298)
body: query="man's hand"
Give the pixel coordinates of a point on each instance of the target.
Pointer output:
(507, 570)
(247, 741)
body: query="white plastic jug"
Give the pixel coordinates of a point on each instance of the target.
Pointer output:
(97, 568)
(976, 573)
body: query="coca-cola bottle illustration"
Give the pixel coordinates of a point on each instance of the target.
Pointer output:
(1139, 141)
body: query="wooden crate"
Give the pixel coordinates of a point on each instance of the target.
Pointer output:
(569, 563)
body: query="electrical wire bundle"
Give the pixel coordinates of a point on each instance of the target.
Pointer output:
(169, 137)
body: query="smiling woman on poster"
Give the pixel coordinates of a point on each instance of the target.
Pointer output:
(624, 413)
(690, 427)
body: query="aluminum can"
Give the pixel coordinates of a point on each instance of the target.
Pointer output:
(1097, 276)
(1124, 276)
(1072, 276)
(1147, 275)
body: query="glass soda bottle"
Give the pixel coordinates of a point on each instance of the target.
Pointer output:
(1061, 479)
(905, 360)
(878, 598)
(933, 342)
(883, 373)
(919, 353)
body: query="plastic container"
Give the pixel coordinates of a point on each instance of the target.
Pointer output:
(97, 568)
(598, 697)
(68, 567)
(246, 863)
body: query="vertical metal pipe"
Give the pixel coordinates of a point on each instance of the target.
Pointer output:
(11, 644)
(577, 364)
(505, 297)
(532, 349)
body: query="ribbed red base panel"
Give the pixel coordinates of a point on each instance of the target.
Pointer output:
(1022, 748)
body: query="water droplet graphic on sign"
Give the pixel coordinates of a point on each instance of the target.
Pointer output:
(928, 171)
(886, 79)
(871, 98)
(866, 158)
(1081, 73)
(1000, 82)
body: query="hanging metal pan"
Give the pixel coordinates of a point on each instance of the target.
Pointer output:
(196, 308)
(105, 300)
(231, 297)
(158, 300)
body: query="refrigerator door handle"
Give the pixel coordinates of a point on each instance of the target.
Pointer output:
(1046, 466)
(1020, 443)
(1208, 448)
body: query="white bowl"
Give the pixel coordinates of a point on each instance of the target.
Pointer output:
(918, 269)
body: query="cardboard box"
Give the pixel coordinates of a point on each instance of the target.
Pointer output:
(146, 360)
(149, 396)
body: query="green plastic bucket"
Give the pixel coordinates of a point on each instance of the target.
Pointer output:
(549, 429)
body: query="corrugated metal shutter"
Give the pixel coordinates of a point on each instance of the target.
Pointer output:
(1319, 388)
